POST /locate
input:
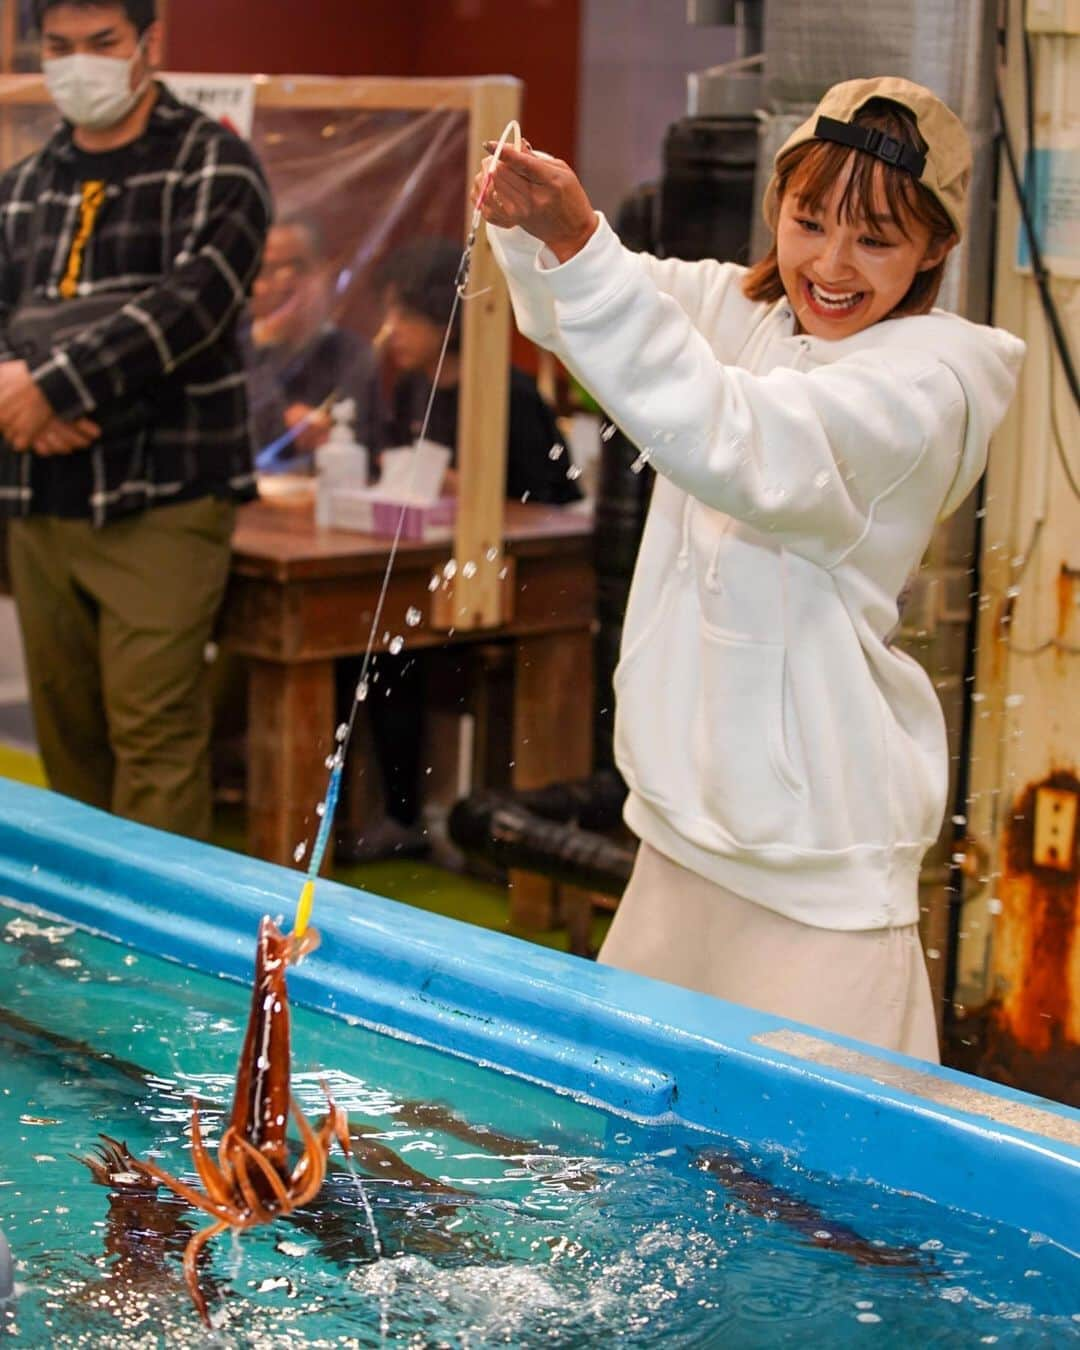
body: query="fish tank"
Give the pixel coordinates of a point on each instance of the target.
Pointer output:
(541, 1151)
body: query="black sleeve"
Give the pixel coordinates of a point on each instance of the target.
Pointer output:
(357, 377)
(266, 396)
(534, 434)
(397, 429)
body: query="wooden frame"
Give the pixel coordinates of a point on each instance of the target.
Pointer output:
(479, 596)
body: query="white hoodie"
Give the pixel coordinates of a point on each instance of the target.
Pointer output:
(772, 740)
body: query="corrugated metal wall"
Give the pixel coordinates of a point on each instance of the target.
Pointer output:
(1020, 938)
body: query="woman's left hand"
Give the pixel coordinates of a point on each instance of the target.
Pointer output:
(541, 194)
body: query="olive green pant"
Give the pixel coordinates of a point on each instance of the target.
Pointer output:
(115, 623)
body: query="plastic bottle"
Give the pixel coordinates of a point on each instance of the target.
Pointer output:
(341, 462)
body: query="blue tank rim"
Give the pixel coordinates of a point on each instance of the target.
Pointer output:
(635, 1045)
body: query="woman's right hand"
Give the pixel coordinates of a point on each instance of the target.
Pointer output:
(541, 194)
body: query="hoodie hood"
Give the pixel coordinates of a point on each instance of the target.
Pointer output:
(986, 362)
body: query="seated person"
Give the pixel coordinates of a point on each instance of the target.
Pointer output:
(298, 359)
(416, 284)
(417, 287)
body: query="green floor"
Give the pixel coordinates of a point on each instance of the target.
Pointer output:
(419, 884)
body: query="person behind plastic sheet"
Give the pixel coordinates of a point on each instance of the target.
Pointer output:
(127, 246)
(810, 419)
(298, 358)
(416, 284)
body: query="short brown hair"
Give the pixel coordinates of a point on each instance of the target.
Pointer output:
(811, 169)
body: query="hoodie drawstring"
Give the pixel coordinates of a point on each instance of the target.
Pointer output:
(682, 562)
(712, 576)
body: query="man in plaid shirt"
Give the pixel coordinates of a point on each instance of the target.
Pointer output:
(126, 445)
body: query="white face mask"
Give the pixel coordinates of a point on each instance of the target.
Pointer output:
(94, 91)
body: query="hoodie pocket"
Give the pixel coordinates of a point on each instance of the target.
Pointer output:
(700, 728)
(750, 785)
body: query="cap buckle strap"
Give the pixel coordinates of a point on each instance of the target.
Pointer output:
(874, 142)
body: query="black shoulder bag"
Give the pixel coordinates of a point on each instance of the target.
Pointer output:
(38, 325)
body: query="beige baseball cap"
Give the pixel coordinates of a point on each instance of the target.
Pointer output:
(944, 170)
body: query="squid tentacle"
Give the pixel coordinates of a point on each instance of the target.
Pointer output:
(191, 1273)
(186, 1192)
(217, 1187)
(269, 1172)
(251, 1197)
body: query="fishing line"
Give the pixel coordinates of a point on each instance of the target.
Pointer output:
(336, 761)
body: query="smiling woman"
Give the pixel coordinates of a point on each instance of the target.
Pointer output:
(809, 421)
(857, 238)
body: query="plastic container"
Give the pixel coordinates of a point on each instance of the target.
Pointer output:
(341, 463)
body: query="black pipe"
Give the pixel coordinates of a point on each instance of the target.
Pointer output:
(497, 826)
(593, 803)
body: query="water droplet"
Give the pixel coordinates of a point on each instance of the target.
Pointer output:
(320, 810)
(362, 691)
(298, 852)
(341, 733)
(639, 463)
(1014, 700)
(330, 761)
(994, 905)
(574, 472)
(491, 554)
(555, 452)
(413, 616)
(433, 584)
(822, 480)
(607, 431)
(525, 495)
(397, 646)
(450, 570)
(469, 570)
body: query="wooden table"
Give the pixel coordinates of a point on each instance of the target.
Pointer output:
(300, 598)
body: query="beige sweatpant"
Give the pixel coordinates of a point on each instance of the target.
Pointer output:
(871, 985)
(115, 623)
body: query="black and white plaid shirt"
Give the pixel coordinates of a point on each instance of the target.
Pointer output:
(181, 230)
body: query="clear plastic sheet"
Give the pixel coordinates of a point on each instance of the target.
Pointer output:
(359, 182)
(371, 180)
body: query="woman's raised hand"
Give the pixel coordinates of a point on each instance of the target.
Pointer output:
(539, 193)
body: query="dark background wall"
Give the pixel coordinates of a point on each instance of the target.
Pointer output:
(536, 40)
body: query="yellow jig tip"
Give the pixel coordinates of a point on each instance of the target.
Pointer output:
(303, 909)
